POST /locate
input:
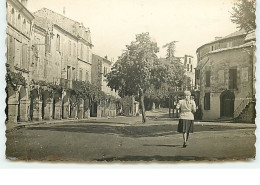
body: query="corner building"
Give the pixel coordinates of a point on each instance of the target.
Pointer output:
(226, 75)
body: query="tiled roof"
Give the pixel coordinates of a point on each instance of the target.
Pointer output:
(41, 22)
(237, 33)
(95, 56)
(69, 25)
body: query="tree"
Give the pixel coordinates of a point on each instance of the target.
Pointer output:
(244, 14)
(132, 73)
(170, 49)
(174, 68)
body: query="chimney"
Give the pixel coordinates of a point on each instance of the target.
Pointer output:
(217, 38)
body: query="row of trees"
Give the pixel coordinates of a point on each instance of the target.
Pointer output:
(139, 72)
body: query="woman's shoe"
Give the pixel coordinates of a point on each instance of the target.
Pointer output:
(184, 145)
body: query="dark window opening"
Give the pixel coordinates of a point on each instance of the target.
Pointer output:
(232, 78)
(208, 74)
(207, 101)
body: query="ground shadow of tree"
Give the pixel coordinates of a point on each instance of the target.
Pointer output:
(134, 131)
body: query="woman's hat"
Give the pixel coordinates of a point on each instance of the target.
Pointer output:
(187, 93)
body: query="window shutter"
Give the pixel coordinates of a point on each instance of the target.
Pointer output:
(208, 74)
(232, 78)
(24, 56)
(207, 101)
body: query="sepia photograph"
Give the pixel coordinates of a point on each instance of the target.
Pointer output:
(130, 81)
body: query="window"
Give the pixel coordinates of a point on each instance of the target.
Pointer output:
(212, 48)
(208, 74)
(73, 73)
(80, 75)
(69, 48)
(229, 44)
(207, 101)
(58, 43)
(190, 68)
(232, 78)
(74, 50)
(197, 73)
(24, 56)
(190, 60)
(18, 53)
(86, 76)
(24, 25)
(19, 21)
(10, 49)
(48, 43)
(13, 16)
(81, 51)
(68, 73)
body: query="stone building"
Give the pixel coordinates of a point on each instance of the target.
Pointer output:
(225, 74)
(19, 32)
(100, 67)
(70, 60)
(189, 66)
(47, 54)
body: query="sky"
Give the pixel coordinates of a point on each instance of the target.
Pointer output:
(114, 23)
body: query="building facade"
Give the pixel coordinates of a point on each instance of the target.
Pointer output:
(19, 33)
(47, 54)
(100, 67)
(189, 67)
(225, 75)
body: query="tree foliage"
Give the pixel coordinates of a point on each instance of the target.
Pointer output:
(244, 14)
(170, 51)
(133, 73)
(14, 79)
(138, 71)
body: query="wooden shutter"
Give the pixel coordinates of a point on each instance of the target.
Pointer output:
(24, 56)
(208, 74)
(17, 54)
(232, 78)
(207, 101)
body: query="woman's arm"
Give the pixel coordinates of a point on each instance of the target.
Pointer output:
(193, 107)
(178, 106)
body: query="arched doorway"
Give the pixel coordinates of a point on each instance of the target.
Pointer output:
(93, 109)
(227, 99)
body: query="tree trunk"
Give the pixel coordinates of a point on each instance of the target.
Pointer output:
(133, 105)
(143, 108)
(169, 106)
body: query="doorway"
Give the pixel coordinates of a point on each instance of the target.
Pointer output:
(227, 99)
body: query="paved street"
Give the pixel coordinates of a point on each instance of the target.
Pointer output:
(127, 139)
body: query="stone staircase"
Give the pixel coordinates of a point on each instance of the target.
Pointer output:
(245, 112)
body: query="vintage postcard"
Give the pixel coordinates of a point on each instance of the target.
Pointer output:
(130, 81)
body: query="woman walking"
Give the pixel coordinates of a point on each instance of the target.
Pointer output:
(187, 108)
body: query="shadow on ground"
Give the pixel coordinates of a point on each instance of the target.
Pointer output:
(134, 131)
(158, 158)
